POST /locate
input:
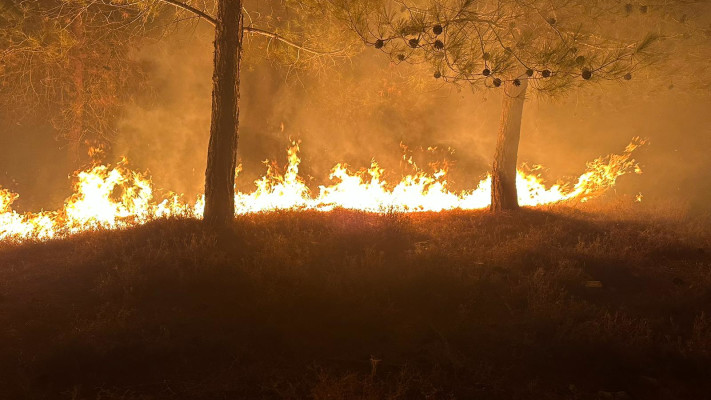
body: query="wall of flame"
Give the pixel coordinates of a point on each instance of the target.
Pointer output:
(107, 197)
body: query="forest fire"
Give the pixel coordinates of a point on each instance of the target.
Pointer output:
(148, 252)
(116, 197)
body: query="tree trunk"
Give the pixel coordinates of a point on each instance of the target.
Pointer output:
(503, 176)
(222, 149)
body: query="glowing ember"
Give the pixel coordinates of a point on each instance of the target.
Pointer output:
(117, 197)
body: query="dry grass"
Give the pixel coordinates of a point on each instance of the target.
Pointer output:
(348, 305)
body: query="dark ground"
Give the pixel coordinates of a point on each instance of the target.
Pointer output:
(464, 305)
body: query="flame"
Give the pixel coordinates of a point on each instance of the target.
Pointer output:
(116, 197)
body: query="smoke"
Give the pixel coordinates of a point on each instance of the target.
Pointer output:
(355, 111)
(164, 130)
(364, 107)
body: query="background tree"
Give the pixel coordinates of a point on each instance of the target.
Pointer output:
(69, 61)
(546, 46)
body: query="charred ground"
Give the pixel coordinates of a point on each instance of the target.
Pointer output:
(299, 304)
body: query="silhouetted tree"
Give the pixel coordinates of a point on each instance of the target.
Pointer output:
(230, 28)
(548, 46)
(75, 52)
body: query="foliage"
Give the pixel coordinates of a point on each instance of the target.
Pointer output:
(317, 38)
(552, 44)
(69, 60)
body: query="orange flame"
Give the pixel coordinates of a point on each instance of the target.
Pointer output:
(111, 198)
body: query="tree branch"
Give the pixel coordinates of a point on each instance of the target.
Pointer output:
(249, 29)
(207, 17)
(272, 35)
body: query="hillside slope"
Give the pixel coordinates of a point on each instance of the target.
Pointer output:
(542, 304)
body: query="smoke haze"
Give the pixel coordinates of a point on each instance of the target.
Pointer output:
(363, 108)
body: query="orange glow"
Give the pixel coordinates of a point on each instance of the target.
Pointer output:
(117, 197)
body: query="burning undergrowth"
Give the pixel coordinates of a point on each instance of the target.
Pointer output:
(111, 197)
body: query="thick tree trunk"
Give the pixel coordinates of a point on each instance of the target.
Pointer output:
(503, 182)
(222, 150)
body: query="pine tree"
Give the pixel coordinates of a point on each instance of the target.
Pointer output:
(84, 38)
(517, 47)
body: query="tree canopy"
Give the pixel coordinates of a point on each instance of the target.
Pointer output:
(552, 44)
(70, 61)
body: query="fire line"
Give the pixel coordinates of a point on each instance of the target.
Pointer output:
(116, 197)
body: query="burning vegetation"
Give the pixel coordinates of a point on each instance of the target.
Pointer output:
(378, 283)
(108, 197)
